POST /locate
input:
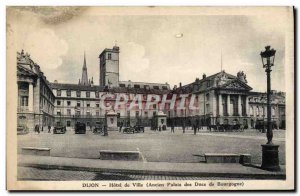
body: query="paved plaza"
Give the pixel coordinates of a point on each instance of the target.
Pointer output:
(156, 146)
(29, 173)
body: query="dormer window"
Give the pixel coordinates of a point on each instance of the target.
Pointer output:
(69, 93)
(78, 93)
(58, 92)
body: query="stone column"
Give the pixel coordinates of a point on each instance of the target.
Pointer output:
(30, 97)
(228, 105)
(247, 105)
(220, 105)
(240, 105)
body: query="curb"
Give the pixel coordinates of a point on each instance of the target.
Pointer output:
(278, 176)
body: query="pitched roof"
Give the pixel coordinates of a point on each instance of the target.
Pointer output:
(64, 86)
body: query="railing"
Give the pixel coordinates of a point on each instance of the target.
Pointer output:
(22, 109)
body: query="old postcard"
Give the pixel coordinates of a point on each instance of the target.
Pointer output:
(150, 98)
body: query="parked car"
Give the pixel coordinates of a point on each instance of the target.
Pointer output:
(139, 129)
(59, 130)
(98, 129)
(128, 130)
(80, 128)
(22, 129)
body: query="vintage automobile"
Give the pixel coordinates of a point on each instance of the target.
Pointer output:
(98, 129)
(262, 125)
(22, 130)
(80, 128)
(139, 129)
(59, 130)
(128, 129)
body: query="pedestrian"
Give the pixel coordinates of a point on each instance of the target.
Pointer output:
(172, 128)
(242, 128)
(36, 129)
(183, 128)
(195, 129)
(49, 129)
(121, 125)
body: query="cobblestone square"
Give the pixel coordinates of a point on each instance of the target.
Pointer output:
(156, 146)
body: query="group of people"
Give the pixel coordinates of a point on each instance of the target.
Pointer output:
(195, 127)
(37, 129)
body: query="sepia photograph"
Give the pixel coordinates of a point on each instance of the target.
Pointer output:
(150, 98)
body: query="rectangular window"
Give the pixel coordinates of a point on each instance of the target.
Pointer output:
(136, 86)
(69, 103)
(78, 104)
(146, 87)
(109, 56)
(122, 85)
(78, 93)
(235, 107)
(156, 87)
(58, 113)
(97, 105)
(224, 102)
(137, 113)
(58, 92)
(97, 94)
(244, 112)
(97, 113)
(69, 111)
(87, 94)
(164, 88)
(68, 123)
(207, 97)
(78, 112)
(88, 105)
(154, 106)
(69, 93)
(24, 101)
(88, 113)
(58, 103)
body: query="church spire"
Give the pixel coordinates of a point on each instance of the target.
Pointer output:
(84, 78)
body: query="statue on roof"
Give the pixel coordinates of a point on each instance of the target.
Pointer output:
(242, 76)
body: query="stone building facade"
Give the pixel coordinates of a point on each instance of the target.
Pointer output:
(258, 108)
(35, 96)
(221, 98)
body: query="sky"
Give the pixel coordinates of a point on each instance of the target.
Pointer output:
(150, 50)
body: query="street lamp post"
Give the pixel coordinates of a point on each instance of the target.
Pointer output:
(270, 159)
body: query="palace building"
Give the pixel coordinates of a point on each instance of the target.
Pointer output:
(220, 98)
(35, 96)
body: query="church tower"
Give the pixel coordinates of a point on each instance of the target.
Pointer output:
(109, 67)
(84, 77)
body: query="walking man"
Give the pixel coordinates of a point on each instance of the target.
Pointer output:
(172, 128)
(121, 125)
(195, 129)
(49, 129)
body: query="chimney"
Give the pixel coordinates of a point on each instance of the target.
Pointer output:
(204, 76)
